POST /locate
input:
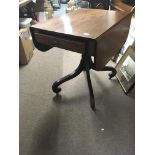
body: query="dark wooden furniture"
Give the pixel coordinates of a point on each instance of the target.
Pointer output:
(90, 32)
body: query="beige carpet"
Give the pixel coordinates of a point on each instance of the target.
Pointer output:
(68, 126)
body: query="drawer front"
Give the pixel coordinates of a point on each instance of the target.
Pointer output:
(54, 41)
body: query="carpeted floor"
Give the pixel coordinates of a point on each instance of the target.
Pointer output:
(67, 125)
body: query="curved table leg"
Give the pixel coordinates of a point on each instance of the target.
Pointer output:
(112, 69)
(85, 64)
(92, 101)
(55, 85)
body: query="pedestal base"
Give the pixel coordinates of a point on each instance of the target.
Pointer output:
(85, 65)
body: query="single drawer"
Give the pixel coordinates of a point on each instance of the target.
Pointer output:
(63, 43)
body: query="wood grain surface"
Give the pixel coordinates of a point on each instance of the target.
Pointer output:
(87, 23)
(99, 33)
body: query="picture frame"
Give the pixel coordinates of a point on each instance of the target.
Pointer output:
(126, 70)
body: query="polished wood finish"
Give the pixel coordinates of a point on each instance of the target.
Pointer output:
(101, 32)
(91, 32)
(71, 45)
(85, 65)
(86, 23)
(113, 71)
(111, 42)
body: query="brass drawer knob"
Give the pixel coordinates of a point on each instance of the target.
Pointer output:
(55, 42)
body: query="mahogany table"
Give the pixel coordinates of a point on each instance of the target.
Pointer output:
(89, 32)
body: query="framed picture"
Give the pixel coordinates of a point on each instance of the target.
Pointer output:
(126, 69)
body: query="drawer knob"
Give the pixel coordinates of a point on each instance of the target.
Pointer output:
(55, 42)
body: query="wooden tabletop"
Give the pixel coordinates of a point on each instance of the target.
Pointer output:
(87, 23)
